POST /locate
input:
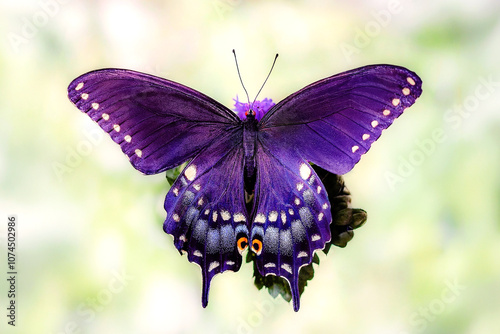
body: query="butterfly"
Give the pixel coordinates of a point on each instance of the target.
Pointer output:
(248, 182)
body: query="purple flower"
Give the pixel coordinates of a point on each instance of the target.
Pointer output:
(260, 107)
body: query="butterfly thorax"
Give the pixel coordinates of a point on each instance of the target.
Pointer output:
(249, 145)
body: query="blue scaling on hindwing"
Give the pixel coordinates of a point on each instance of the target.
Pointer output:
(291, 216)
(206, 211)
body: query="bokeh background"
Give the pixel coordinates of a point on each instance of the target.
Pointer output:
(92, 256)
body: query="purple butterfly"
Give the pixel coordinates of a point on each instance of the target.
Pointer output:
(249, 182)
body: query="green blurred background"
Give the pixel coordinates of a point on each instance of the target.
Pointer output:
(92, 255)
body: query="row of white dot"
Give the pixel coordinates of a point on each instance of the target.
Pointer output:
(386, 112)
(105, 117)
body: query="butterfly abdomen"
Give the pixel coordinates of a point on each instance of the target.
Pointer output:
(249, 139)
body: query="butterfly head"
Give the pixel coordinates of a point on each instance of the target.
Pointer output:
(250, 113)
(257, 109)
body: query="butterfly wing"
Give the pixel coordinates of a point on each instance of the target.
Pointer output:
(158, 123)
(291, 215)
(206, 211)
(332, 122)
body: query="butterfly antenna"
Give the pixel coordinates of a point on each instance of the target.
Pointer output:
(239, 75)
(274, 62)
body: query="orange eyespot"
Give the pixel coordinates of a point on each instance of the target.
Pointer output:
(242, 244)
(257, 246)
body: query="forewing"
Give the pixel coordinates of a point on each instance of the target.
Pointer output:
(332, 122)
(206, 209)
(291, 216)
(158, 123)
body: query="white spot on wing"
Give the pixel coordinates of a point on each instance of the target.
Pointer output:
(95, 106)
(79, 86)
(410, 81)
(318, 190)
(176, 191)
(305, 171)
(296, 201)
(283, 217)
(300, 186)
(85, 96)
(270, 265)
(273, 216)
(225, 215)
(290, 211)
(127, 138)
(302, 254)
(287, 267)
(355, 148)
(197, 187)
(176, 217)
(386, 112)
(200, 202)
(213, 265)
(105, 116)
(138, 153)
(395, 102)
(183, 238)
(325, 206)
(320, 216)
(190, 172)
(207, 211)
(406, 91)
(374, 124)
(116, 127)
(260, 218)
(366, 136)
(230, 263)
(214, 216)
(197, 253)
(239, 217)
(315, 237)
